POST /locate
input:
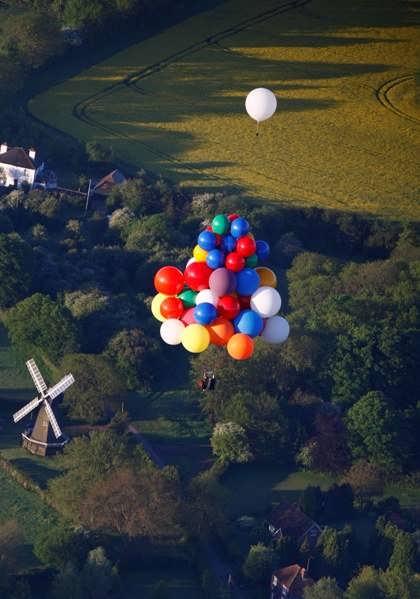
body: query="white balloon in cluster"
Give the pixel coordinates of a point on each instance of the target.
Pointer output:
(266, 301)
(276, 330)
(260, 104)
(171, 331)
(206, 296)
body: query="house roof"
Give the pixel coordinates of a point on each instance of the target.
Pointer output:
(290, 519)
(18, 157)
(293, 578)
(105, 185)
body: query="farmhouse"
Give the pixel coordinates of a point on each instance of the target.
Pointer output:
(23, 167)
(287, 519)
(289, 582)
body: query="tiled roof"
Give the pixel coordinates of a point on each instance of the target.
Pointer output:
(105, 185)
(290, 518)
(293, 578)
(17, 157)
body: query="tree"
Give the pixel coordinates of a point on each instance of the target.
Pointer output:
(338, 502)
(135, 355)
(40, 323)
(97, 385)
(365, 479)
(311, 501)
(400, 584)
(338, 551)
(88, 460)
(61, 545)
(258, 563)
(286, 551)
(230, 443)
(266, 426)
(374, 432)
(33, 38)
(365, 585)
(327, 449)
(68, 584)
(325, 588)
(16, 269)
(96, 152)
(144, 503)
(404, 556)
(99, 575)
(205, 509)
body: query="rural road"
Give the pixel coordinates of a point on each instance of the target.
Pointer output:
(220, 567)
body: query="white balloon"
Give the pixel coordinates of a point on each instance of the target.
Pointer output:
(206, 296)
(171, 331)
(276, 330)
(261, 104)
(190, 261)
(266, 301)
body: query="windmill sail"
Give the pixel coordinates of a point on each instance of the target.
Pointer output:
(26, 409)
(40, 384)
(60, 387)
(52, 419)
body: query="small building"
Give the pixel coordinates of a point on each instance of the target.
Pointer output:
(290, 582)
(20, 167)
(107, 183)
(287, 519)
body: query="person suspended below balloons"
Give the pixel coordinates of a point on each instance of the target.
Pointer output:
(260, 104)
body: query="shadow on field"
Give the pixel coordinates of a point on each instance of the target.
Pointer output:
(39, 473)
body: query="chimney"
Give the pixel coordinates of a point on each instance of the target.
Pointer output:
(3, 147)
(32, 153)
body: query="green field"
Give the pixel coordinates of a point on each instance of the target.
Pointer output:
(347, 131)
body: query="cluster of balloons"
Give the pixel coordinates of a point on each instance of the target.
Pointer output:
(224, 296)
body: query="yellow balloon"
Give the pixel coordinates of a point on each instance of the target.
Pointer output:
(199, 254)
(195, 338)
(156, 301)
(267, 277)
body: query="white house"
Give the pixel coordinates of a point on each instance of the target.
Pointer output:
(19, 166)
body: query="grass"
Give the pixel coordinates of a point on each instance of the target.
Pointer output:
(181, 581)
(31, 513)
(172, 421)
(332, 142)
(254, 488)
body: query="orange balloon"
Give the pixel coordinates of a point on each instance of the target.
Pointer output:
(221, 330)
(267, 276)
(240, 346)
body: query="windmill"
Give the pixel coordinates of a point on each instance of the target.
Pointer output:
(45, 437)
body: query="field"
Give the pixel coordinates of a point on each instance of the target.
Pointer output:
(346, 133)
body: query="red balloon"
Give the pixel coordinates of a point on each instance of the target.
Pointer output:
(244, 301)
(246, 246)
(197, 276)
(228, 306)
(169, 280)
(234, 262)
(188, 317)
(232, 217)
(172, 307)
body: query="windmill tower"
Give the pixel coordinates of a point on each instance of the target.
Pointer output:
(46, 437)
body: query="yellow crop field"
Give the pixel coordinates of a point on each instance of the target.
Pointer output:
(346, 133)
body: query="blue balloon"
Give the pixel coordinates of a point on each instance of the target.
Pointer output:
(207, 240)
(247, 281)
(239, 227)
(248, 322)
(263, 250)
(228, 243)
(205, 313)
(215, 259)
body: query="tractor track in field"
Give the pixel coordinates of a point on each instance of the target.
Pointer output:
(382, 95)
(81, 110)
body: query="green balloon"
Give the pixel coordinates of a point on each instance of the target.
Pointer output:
(220, 224)
(252, 261)
(188, 297)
